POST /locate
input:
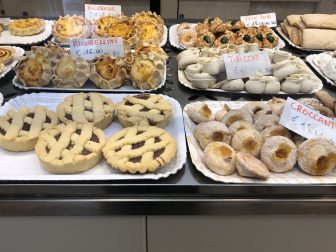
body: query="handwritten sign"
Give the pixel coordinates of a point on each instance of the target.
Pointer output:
(307, 122)
(92, 48)
(244, 65)
(268, 19)
(94, 11)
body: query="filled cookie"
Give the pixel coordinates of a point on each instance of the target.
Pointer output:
(249, 166)
(208, 132)
(257, 108)
(247, 140)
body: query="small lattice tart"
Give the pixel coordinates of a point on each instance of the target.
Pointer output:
(108, 73)
(6, 54)
(144, 109)
(151, 33)
(70, 148)
(26, 27)
(147, 71)
(19, 130)
(86, 108)
(144, 17)
(103, 25)
(71, 71)
(140, 149)
(69, 27)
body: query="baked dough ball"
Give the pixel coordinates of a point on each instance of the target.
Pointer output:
(236, 115)
(266, 121)
(257, 108)
(279, 154)
(219, 158)
(200, 112)
(208, 132)
(317, 156)
(277, 105)
(247, 140)
(240, 125)
(276, 130)
(249, 166)
(221, 113)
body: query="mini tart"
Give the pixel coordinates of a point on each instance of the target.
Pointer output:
(144, 17)
(140, 149)
(147, 71)
(317, 157)
(208, 132)
(86, 108)
(108, 73)
(103, 25)
(200, 112)
(70, 27)
(71, 71)
(26, 27)
(70, 148)
(6, 54)
(144, 109)
(19, 130)
(150, 33)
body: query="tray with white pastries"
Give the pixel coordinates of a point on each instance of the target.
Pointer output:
(91, 136)
(243, 142)
(204, 69)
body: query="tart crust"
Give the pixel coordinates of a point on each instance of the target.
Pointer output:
(26, 27)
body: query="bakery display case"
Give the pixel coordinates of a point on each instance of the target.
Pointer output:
(162, 129)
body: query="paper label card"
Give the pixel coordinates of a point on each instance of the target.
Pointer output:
(307, 122)
(92, 48)
(244, 65)
(268, 19)
(95, 11)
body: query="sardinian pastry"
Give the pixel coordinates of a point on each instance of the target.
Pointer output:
(200, 112)
(104, 24)
(125, 28)
(50, 51)
(248, 141)
(208, 132)
(144, 17)
(26, 27)
(152, 50)
(108, 73)
(70, 27)
(71, 71)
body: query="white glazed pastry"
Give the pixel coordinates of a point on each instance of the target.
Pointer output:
(200, 112)
(330, 69)
(247, 140)
(236, 115)
(276, 130)
(208, 132)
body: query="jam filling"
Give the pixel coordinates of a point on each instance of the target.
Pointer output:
(138, 145)
(26, 127)
(158, 153)
(94, 138)
(57, 137)
(144, 109)
(2, 132)
(151, 122)
(68, 116)
(140, 132)
(135, 160)
(48, 120)
(142, 96)
(157, 140)
(86, 152)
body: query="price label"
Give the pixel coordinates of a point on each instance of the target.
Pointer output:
(244, 65)
(92, 48)
(95, 11)
(307, 122)
(268, 19)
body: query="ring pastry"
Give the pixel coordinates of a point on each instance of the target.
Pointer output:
(247, 140)
(208, 132)
(200, 112)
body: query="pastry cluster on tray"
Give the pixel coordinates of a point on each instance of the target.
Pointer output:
(52, 64)
(144, 28)
(72, 139)
(214, 32)
(250, 140)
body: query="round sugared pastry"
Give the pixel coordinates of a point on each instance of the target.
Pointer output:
(108, 73)
(240, 125)
(317, 156)
(249, 166)
(257, 108)
(266, 121)
(188, 38)
(279, 154)
(208, 132)
(276, 130)
(219, 157)
(277, 105)
(247, 140)
(26, 27)
(236, 115)
(200, 112)
(221, 113)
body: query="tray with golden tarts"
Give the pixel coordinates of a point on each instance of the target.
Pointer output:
(91, 136)
(242, 142)
(55, 69)
(204, 69)
(26, 31)
(9, 57)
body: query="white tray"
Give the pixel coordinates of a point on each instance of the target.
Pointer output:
(295, 176)
(89, 86)
(7, 39)
(19, 52)
(1, 99)
(26, 166)
(162, 43)
(185, 82)
(174, 41)
(310, 60)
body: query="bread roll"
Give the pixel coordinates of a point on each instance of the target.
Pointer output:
(323, 21)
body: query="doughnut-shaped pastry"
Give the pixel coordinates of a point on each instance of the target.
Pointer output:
(183, 26)
(317, 156)
(277, 105)
(276, 130)
(188, 37)
(236, 115)
(247, 140)
(221, 113)
(240, 125)
(257, 108)
(279, 154)
(219, 158)
(249, 166)
(208, 132)
(266, 121)
(200, 112)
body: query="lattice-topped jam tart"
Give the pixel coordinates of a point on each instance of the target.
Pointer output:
(19, 130)
(86, 108)
(145, 109)
(140, 149)
(70, 148)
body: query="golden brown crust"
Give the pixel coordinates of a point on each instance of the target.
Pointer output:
(26, 27)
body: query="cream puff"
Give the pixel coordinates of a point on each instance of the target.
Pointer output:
(279, 154)
(249, 166)
(236, 115)
(247, 140)
(200, 112)
(208, 132)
